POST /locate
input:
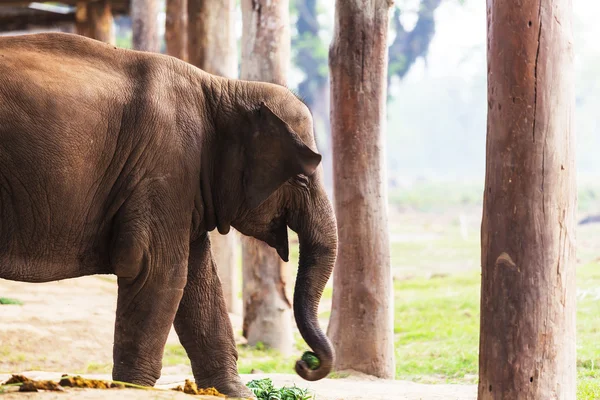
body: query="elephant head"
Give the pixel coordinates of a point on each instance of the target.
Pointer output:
(265, 178)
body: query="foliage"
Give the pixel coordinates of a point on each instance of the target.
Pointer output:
(263, 389)
(6, 300)
(311, 360)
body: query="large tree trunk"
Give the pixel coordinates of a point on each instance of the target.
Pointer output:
(265, 57)
(176, 26)
(527, 342)
(361, 323)
(95, 20)
(212, 42)
(212, 47)
(144, 25)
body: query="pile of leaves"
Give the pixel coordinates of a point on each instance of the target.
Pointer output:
(24, 384)
(263, 389)
(190, 388)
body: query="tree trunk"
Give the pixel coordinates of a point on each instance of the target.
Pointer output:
(176, 26)
(265, 57)
(95, 20)
(212, 42)
(361, 323)
(527, 341)
(144, 25)
(213, 48)
(266, 41)
(225, 252)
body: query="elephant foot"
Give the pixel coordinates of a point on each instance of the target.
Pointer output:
(229, 386)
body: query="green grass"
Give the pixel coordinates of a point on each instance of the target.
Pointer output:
(97, 368)
(437, 328)
(447, 249)
(588, 386)
(249, 358)
(431, 196)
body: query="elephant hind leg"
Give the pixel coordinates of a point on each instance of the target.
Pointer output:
(146, 308)
(152, 271)
(204, 328)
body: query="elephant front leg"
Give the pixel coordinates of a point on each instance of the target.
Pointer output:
(203, 326)
(146, 308)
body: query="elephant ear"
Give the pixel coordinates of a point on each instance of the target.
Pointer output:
(274, 154)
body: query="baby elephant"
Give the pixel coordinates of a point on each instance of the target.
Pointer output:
(117, 161)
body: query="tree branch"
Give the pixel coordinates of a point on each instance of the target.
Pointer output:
(409, 46)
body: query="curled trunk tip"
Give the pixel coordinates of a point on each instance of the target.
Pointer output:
(311, 367)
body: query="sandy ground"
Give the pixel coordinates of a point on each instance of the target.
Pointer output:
(67, 327)
(358, 387)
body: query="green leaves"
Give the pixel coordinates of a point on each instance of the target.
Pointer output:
(263, 389)
(311, 360)
(6, 300)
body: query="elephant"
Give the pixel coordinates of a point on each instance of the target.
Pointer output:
(115, 161)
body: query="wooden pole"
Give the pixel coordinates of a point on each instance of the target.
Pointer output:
(527, 341)
(144, 25)
(176, 25)
(213, 47)
(265, 57)
(361, 323)
(95, 20)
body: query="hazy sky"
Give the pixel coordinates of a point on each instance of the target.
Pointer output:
(461, 29)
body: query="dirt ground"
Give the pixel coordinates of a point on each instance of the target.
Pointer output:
(67, 327)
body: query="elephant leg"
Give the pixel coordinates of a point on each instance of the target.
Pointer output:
(204, 328)
(150, 289)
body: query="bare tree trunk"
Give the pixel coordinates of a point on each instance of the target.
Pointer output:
(321, 110)
(212, 47)
(176, 26)
(527, 341)
(266, 41)
(225, 250)
(95, 20)
(265, 57)
(144, 25)
(361, 323)
(212, 42)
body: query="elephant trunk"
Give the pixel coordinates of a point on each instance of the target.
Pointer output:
(317, 234)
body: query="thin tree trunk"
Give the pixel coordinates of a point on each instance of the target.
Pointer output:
(95, 20)
(144, 25)
(265, 57)
(225, 250)
(361, 323)
(527, 341)
(212, 47)
(176, 26)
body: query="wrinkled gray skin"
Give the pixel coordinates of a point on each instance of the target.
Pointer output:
(119, 162)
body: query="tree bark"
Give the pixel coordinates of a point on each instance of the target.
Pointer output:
(176, 26)
(266, 40)
(213, 48)
(361, 323)
(265, 57)
(212, 42)
(144, 25)
(95, 20)
(527, 341)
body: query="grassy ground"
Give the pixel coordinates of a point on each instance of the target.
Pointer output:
(436, 327)
(435, 258)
